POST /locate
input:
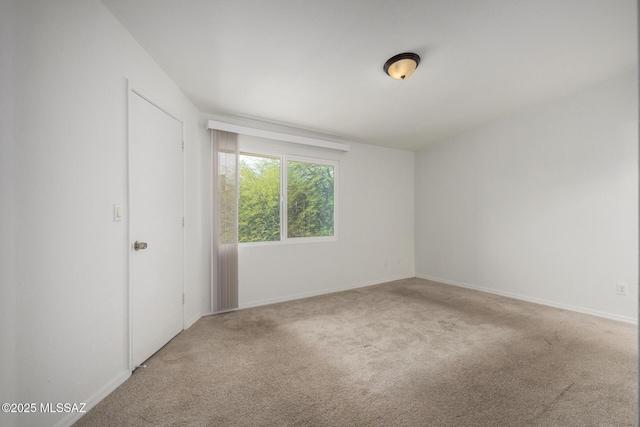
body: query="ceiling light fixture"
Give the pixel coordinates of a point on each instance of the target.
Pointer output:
(402, 65)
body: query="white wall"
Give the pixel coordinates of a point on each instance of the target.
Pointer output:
(375, 225)
(7, 211)
(542, 205)
(197, 222)
(69, 168)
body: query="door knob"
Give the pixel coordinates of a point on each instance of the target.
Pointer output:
(138, 246)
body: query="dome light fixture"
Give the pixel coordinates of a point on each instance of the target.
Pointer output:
(402, 65)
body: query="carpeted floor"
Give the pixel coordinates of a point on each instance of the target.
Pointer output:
(406, 353)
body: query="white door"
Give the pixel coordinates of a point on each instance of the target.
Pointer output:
(156, 211)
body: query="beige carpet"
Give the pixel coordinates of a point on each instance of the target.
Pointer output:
(406, 353)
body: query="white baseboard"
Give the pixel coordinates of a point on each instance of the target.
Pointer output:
(321, 292)
(92, 401)
(554, 304)
(193, 320)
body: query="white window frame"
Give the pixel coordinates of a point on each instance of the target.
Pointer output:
(284, 159)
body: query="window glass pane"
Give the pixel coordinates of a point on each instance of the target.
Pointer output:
(310, 199)
(259, 203)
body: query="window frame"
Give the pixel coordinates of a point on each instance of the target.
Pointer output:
(284, 201)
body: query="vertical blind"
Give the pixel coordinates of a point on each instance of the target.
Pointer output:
(225, 220)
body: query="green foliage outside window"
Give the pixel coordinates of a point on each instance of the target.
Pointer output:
(309, 195)
(310, 199)
(259, 204)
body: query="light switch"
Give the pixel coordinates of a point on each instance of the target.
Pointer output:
(117, 213)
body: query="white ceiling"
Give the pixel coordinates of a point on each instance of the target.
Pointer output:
(317, 65)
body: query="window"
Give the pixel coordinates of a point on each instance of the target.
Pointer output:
(309, 199)
(305, 187)
(259, 203)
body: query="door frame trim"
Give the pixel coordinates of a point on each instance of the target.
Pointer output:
(134, 89)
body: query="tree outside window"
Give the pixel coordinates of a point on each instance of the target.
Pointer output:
(309, 197)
